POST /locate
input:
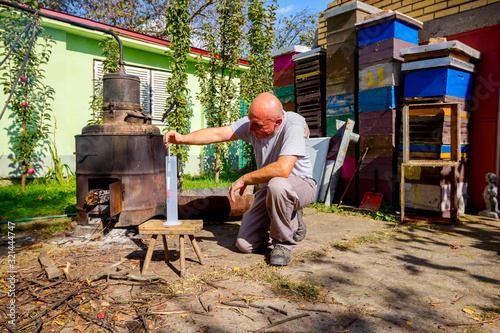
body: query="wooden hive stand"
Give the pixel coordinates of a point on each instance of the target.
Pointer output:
(186, 228)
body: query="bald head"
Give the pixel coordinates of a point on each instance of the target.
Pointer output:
(265, 115)
(266, 105)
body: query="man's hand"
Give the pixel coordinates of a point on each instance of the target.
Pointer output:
(172, 137)
(237, 185)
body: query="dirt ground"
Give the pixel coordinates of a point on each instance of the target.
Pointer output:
(354, 274)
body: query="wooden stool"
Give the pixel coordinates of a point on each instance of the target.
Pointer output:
(156, 227)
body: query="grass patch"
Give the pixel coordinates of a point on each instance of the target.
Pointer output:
(40, 199)
(384, 214)
(39, 229)
(208, 180)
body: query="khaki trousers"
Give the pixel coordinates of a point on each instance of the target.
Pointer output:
(272, 217)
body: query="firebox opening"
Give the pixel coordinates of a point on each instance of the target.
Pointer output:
(104, 200)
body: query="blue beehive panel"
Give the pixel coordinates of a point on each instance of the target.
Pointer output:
(386, 30)
(378, 99)
(437, 148)
(340, 104)
(438, 82)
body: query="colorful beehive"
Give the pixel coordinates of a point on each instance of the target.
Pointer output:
(310, 89)
(437, 73)
(284, 74)
(341, 67)
(380, 38)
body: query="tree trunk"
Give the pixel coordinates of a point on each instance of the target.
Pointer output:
(217, 164)
(24, 169)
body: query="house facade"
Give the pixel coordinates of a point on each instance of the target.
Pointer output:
(75, 62)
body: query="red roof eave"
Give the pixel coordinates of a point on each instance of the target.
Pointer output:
(122, 31)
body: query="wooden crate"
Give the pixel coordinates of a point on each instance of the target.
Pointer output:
(284, 91)
(390, 25)
(381, 52)
(382, 75)
(454, 48)
(378, 99)
(378, 122)
(434, 198)
(310, 89)
(345, 20)
(438, 82)
(284, 61)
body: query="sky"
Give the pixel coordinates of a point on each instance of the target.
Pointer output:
(288, 7)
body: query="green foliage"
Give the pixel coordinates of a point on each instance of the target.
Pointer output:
(259, 76)
(30, 103)
(385, 213)
(179, 32)
(111, 64)
(42, 198)
(56, 173)
(218, 89)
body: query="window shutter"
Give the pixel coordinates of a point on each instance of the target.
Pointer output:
(144, 75)
(159, 94)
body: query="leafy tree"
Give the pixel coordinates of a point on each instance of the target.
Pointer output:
(298, 29)
(23, 82)
(178, 28)
(259, 77)
(218, 87)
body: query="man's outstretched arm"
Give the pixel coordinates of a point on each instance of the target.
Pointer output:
(201, 137)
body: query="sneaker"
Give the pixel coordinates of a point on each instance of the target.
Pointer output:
(280, 256)
(300, 234)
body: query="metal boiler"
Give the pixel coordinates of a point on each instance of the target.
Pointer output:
(120, 164)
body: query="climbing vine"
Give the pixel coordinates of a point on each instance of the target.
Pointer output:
(219, 92)
(23, 81)
(111, 64)
(259, 77)
(179, 33)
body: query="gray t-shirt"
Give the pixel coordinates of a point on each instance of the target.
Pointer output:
(290, 139)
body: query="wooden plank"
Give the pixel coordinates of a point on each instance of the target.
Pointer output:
(448, 62)
(345, 20)
(381, 167)
(382, 52)
(284, 77)
(284, 61)
(289, 106)
(383, 75)
(377, 122)
(339, 62)
(434, 176)
(287, 99)
(156, 227)
(377, 141)
(284, 91)
(453, 45)
(341, 39)
(437, 54)
(306, 75)
(316, 80)
(462, 102)
(435, 198)
(340, 104)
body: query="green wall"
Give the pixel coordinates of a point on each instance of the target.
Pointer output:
(70, 73)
